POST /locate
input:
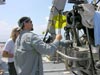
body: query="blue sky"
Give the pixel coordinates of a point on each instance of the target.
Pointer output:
(14, 9)
(37, 10)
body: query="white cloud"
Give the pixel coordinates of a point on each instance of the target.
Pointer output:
(50, 7)
(5, 30)
(38, 29)
(47, 18)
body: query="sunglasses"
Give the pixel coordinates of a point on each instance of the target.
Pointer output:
(27, 21)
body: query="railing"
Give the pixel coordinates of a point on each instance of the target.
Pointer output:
(71, 58)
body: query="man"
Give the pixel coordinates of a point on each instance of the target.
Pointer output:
(29, 49)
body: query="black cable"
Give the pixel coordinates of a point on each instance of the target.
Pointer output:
(74, 73)
(45, 36)
(99, 53)
(97, 2)
(92, 59)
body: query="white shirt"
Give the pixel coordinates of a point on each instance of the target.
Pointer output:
(9, 47)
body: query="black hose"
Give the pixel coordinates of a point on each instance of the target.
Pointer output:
(92, 59)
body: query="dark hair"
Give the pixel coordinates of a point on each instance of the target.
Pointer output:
(22, 21)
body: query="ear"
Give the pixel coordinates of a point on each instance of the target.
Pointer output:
(21, 25)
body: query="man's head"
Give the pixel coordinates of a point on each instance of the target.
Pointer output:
(25, 23)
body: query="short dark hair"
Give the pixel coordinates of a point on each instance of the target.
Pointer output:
(22, 20)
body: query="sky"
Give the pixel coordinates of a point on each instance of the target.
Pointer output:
(12, 10)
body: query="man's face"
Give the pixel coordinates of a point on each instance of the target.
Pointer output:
(29, 25)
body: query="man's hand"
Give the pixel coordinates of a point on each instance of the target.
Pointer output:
(58, 37)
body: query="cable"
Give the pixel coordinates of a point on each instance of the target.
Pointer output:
(92, 59)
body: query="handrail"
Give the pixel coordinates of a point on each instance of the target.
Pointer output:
(71, 58)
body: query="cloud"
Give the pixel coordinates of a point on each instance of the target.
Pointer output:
(50, 7)
(5, 30)
(38, 29)
(47, 18)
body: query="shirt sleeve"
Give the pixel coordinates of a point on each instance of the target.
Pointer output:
(7, 46)
(42, 47)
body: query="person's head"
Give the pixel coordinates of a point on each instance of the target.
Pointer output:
(14, 33)
(25, 23)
